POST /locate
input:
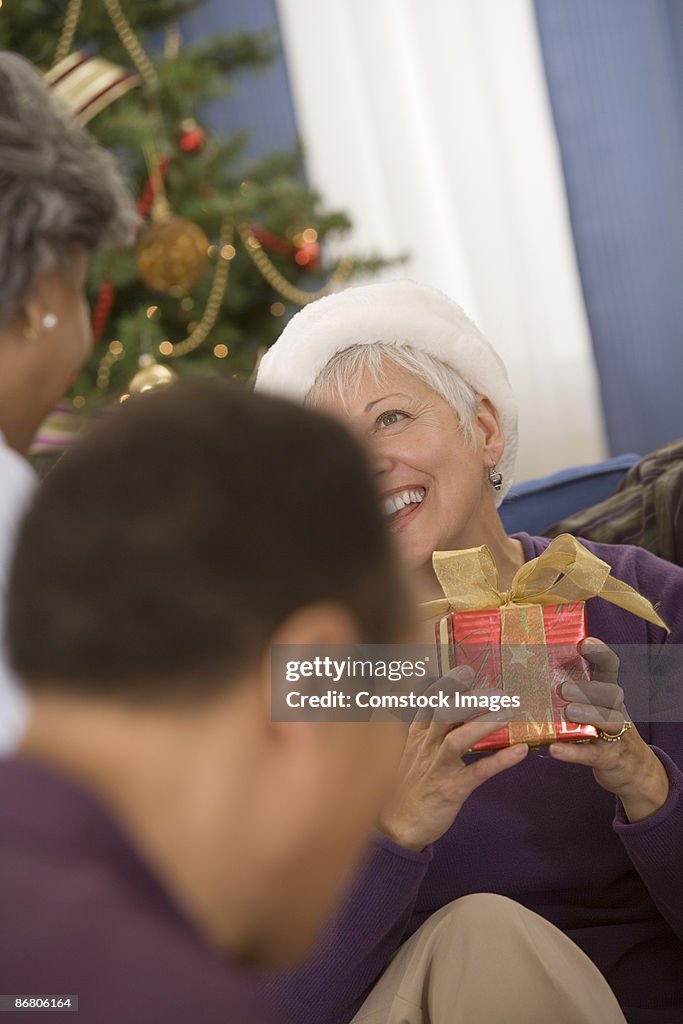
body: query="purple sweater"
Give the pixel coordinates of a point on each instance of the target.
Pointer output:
(83, 915)
(545, 834)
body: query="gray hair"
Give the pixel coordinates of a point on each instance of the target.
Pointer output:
(343, 371)
(59, 190)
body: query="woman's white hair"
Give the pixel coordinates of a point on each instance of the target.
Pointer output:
(59, 190)
(342, 374)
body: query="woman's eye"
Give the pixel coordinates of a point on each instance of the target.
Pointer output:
(388, 419)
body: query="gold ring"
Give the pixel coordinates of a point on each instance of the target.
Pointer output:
(615, 737)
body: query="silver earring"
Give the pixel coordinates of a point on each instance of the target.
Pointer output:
(50, 321)
(495, 478)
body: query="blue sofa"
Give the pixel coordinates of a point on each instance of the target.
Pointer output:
(535, 505)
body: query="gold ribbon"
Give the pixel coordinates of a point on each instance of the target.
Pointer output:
(524, 669)
(565, 573)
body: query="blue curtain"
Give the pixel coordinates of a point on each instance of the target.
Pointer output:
(615, 77)
(261, 101)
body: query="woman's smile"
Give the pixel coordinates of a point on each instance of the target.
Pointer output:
(429, 475)
(402, 504)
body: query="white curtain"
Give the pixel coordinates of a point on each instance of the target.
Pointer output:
(429, 122)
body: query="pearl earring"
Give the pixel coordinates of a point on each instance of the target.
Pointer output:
(50, 321)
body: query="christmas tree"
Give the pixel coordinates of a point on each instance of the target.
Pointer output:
(226, 252)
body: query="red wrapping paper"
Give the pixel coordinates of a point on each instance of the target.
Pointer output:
(544, 654)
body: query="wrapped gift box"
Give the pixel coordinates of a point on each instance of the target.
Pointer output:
(524, 641)
(526, 651)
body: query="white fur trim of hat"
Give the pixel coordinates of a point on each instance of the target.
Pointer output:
(395, 313)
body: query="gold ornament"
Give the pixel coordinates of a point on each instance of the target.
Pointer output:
(172, 255)
(150, 376)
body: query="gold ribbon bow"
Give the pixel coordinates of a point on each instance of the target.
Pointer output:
(565, 573)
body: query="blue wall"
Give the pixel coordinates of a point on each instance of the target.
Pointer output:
(261, 100)
(615, 76)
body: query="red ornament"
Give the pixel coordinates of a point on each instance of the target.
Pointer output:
(308, 255)
(192, 137)
(270, 241)
(305, 250)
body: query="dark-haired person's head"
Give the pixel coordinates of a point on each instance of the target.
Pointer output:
(61, 198)
(162, 557)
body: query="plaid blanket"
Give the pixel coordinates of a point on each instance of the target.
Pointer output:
(646, 509)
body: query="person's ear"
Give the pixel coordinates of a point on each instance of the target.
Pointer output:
(326, 622)
(24, 324)
(303, 633)
(35, 316)
(490, 432)
(41, 309)
(31, 316)
(296, 754)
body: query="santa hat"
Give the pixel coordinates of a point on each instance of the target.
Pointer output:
(394, 313)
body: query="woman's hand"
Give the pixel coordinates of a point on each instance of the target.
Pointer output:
(628, 768)
(434, 781)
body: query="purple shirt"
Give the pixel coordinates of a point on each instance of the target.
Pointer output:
(82, 915)
(545, 834)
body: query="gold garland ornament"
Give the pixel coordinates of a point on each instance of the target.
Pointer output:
(198, 336)
(123, 30)
(71, 19)
(172, 255)
(279, 282)
(151, 376)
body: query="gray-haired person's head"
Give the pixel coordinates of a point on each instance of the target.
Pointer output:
(330, 344)
(59, 190)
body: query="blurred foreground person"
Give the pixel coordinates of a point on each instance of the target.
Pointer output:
(61, 198)
(159, 834)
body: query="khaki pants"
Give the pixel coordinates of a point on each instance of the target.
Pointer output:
(484, 959)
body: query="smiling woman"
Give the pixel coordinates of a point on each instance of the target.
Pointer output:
(419, 383)
(434, 444)
(596, 852)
